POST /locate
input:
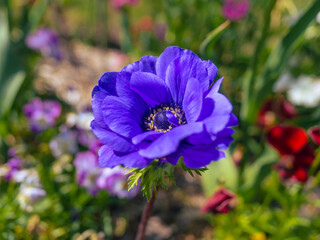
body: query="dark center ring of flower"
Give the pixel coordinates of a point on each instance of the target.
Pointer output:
(164, 117)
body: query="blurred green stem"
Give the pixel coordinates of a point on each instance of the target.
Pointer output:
(212, 35)
(126, 43)
(145, 216)
(248, 84)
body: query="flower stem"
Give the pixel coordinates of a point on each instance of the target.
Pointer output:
(145, 216)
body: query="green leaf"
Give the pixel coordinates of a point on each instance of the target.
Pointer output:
(4, 40)
(251, 73)
(255, 173)
(36, 13)
(277, 60)
(11, 70)
(223, 172)
(151, 177)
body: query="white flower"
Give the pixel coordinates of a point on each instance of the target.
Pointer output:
(29, 195)
(305, 92)
(65, 142)
(81, 120)
(283, 83)
(31, 190)
(27, 176)
(84, 119)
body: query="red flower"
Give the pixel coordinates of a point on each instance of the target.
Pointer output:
(220, 202)
(314, 134)
(296, 166)
(275, 110)
(287, 140)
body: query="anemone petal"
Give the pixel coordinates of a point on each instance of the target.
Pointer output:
(108, 158)
(112, 139)
(199, 156)
(120, 118)
(151, 88)
(169, 142)
(146, 64)
(192, 101)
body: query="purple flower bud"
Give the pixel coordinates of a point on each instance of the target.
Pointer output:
(42, 114)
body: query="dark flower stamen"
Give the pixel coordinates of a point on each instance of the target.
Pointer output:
(163, 118)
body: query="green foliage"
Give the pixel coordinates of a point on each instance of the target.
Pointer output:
(157, 174)
(223, 172)
(11, 70)
(262, 87)
(36, 14)
(150, 177)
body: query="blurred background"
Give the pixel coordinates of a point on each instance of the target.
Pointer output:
(52, 53)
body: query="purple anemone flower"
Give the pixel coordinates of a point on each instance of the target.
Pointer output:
(46, 41)
(162, 108)
(115, 181)
(42, 115)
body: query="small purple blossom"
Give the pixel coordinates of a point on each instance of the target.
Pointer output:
(94, 179)
(115, 181)
(12, 151)
(87, 171)
(14, 164)
(46, 41)
(235, 10)
(42, 115)
(9, 169)
(162, 108)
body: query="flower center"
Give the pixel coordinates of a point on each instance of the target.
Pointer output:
(163, 118)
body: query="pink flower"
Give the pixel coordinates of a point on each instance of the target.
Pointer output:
(235, 10)
(122, 3)
(222, 201)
